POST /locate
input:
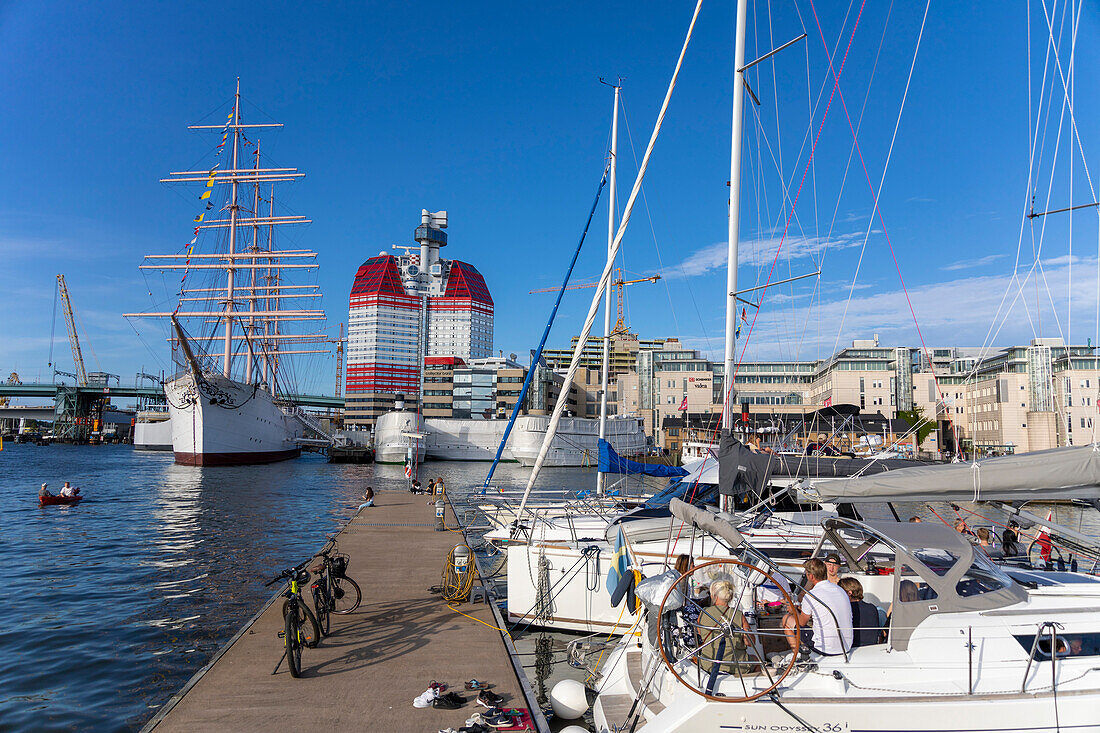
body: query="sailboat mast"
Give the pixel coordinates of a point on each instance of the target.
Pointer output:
(252, 273)
(734, 216)
(226, 361)
(601, 478)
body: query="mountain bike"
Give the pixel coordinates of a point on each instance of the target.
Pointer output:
(334, 591)
(300, 627)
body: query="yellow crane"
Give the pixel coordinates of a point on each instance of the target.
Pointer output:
(340, 341)
(618, 283)
(74, 342)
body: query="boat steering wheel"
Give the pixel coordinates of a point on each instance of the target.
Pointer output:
(679, 643)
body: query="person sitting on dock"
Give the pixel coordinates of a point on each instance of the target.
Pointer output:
(44, 492)
(368, 498)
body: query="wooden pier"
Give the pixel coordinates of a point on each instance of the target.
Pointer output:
(366, 674)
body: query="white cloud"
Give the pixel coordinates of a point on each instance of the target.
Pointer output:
(762, 251)
(979, 262)
(955, 312)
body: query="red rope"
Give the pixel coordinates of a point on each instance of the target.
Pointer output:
(786, 227)
(878, 212)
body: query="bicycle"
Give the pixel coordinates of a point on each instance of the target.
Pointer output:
(296, 631)
(334, 591)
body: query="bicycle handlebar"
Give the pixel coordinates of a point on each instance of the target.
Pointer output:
(328, 548)
(288, 573)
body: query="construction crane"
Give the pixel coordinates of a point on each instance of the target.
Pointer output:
(70, 321)
(339, 414)
(618, 283)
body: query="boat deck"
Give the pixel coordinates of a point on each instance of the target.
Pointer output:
(366, 674)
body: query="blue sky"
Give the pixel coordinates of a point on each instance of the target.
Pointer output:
(494, 112)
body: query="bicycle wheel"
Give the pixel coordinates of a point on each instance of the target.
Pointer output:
(321, 606)
(311, 630)
(351, 597)
(293, 642)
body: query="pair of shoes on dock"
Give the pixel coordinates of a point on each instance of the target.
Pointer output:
(448, 701)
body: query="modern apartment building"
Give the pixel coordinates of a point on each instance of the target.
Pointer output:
(404, 309)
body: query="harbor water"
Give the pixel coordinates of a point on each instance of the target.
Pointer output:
(114, 603)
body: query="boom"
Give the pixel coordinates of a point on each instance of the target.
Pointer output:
(74, 342)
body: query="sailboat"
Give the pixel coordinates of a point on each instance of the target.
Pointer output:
(226, 409)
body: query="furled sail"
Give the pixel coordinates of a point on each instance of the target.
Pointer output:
(1059, 473)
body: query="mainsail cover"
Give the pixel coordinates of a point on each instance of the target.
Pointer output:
(743, 470)
(612, 462)
(1059, 473)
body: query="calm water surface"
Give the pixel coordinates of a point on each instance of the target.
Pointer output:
(113, 604)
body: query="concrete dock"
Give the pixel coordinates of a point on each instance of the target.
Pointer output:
(366, 674)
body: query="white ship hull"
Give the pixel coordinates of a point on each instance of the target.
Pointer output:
(153, 434)
(576, 440)
(221, 422)
(392, 443)
(453, 439)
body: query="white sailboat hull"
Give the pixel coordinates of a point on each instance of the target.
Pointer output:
(576, 440)
(222, 422)
(456, 439)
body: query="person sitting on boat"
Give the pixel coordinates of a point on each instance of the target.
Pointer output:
(832, 568)
(961, 528)
(714, 625)
(68, 491)
(1010, 541)
(866, 626)
(825, 615)
(44, 492)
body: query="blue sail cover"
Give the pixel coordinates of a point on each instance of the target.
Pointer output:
(612, 462)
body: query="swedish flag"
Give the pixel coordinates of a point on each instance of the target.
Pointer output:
(620, 562)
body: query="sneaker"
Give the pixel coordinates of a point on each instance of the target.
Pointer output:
(498, 719)
(425, 699)
(489, 699)
(475, 719)
(445, 702)
(457, 699)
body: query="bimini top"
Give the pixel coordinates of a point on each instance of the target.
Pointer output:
(1060, 473)
(936, 570)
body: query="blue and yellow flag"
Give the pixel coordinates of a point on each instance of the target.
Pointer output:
(620, 562)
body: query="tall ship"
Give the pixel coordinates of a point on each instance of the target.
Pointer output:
(232, 326)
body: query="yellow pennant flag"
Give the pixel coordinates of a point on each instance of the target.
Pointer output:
(200, 216)
(205, 195)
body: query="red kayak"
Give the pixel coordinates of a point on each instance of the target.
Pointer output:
(52, 500)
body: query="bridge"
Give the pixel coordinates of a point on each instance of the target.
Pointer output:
(45, 389)
(76, 410)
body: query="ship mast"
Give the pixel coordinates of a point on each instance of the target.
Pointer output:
(601, 477)
(257, 298)
(227, 361)
(250, 330)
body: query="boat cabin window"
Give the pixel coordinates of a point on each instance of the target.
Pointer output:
(982, 578)
(1067, 645)
(936, 559)
(912, 589)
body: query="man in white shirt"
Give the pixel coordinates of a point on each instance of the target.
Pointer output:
(827, 608)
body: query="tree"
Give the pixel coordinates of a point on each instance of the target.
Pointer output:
(917, 420)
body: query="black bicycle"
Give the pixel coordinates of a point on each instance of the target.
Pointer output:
(300, 627)
(334, 591)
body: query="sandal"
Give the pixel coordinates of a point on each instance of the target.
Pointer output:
(477, 685)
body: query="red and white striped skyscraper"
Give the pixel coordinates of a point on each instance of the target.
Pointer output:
(408, 307)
